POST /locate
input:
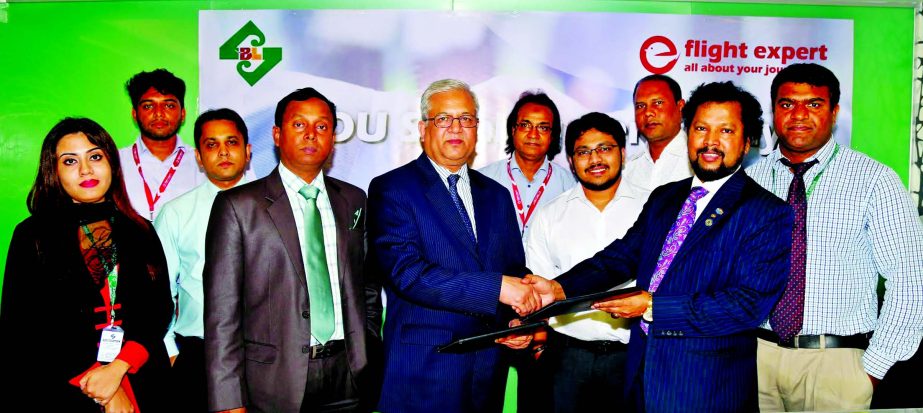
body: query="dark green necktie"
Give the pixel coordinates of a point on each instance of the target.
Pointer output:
(315, 258)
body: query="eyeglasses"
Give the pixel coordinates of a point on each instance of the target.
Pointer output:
(600, 150)
(445, 121)
(526, 126)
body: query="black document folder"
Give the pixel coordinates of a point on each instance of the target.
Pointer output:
(578, 304)
(485, 340)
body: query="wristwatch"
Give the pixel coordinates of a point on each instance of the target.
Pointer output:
(649, 313)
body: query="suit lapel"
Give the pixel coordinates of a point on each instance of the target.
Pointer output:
(280, 212)
(483, 214)
(438, 195)
(343, 218)
(717, 210)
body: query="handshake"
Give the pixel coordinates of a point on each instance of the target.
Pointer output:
(529, 294)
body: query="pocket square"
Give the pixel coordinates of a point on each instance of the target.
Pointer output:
(356, 216)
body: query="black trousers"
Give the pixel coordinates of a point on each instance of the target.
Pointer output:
(587, 374)
(189, 375)
(901, 388)
(330, 387)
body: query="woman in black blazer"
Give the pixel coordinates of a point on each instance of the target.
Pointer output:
(82, 269)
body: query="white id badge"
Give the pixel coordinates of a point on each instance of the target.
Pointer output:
(110, 344)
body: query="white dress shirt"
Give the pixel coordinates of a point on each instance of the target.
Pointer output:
(463, 187)
(570, 229)
(646, 175)
(187, 175)
(293, 183)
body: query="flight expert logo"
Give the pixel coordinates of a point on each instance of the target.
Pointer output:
(656, 53)
(265, 58)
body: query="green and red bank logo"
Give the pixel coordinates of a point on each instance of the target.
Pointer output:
(263, 58)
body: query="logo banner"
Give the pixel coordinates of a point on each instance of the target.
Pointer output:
(374, 64)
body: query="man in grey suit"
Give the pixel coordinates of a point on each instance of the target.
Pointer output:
(291, 321)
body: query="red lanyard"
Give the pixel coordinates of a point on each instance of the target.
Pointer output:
(524, 217)
(151, 198)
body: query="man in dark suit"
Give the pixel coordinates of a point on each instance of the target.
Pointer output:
(442, 236)
(291, 320)
(711, 253)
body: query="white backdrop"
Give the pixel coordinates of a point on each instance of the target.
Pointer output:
(374, 64)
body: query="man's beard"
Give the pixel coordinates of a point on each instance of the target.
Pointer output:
(714, 175)
(158, 136)
(600, 186)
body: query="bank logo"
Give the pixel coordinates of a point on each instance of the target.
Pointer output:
(253, 61)
(656, 54)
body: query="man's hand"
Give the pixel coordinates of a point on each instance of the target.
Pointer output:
(516, 341)
(519, 295)
(549, 290)
(628, 307)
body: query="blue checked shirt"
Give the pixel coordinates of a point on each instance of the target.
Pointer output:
(292, 184)
(860, 223)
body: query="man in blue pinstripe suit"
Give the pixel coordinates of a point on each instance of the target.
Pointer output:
(712, 254)
(444, 238)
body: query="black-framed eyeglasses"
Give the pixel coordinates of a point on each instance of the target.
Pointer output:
(526, 126)
(445, 121)
(600, 150)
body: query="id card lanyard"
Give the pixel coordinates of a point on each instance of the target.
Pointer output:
(810, 189)
(110, 342)
(151, 197)
(524, 216)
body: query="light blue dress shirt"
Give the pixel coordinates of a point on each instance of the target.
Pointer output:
(181, 226)
(562, 179)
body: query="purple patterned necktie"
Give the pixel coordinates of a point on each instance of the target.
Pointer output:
(675, 238)
(788, 316)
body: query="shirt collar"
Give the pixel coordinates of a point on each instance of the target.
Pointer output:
(212, 188)
(625, 190)
(514, 164)
(822, 155)
(712, 186)
(676, 148)
(295, 183)
(142, 148)
(445, 172)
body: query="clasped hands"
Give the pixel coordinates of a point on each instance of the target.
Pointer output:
(532, 292)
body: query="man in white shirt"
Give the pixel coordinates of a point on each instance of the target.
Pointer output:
(158, 166)
(587, 350)
(223, 152)
(533, 130)
(658, 117)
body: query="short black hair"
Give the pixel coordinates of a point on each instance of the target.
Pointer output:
(219, 114)
(674, 87)
(161, 80)
(593, 120)
(536, 97)
(302, 95)
(810, 73)
(720, 92)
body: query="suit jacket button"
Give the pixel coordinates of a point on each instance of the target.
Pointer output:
(305, 314)
(305, 349)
